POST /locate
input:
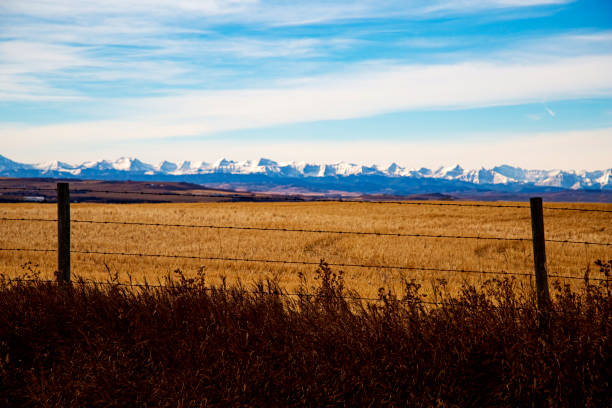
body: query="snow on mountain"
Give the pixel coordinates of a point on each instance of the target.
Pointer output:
(393, 170)
(7, 165)
(54, 165)
(263, 162)
(98, 165)
(57, 166)
(123, 164)
(605, 179)
(133, 165)
(167, 167)
(188, 167)
(450, 173)
(126, 167)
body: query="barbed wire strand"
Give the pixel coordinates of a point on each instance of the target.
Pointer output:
(393, 234)
(567, 241)
(231, 227)
(29, 219)
(29, 189)
(78, 191)
(293, 262)
(27, 250)
(577, 209)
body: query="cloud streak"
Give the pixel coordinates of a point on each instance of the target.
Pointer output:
(273, 12)
(369, 91)
(97, 45)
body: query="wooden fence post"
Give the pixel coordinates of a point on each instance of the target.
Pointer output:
(539, 258)
(63, 232)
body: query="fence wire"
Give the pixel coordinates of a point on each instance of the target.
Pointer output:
(295, 262)
(317, 231)
(248, 228)
(28, 189)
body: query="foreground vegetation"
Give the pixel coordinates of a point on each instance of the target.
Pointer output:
(188, 344)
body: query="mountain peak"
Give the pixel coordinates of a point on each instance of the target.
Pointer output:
(503, 175)
(222, 162)
(263, 162)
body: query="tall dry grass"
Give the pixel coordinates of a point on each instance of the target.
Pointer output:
(564, 259)
(192, 344)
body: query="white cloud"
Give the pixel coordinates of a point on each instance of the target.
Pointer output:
(269, 12)
(466, 6)
(62, 8)
(87, 42)
(29, 70)
(244, 47)
(368, 92)
(590, 37)
(26, 56)
(39, 68)
(20, 61)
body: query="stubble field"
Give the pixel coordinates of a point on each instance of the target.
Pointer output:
(411, 252)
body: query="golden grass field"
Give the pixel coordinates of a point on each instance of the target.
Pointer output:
(509, 256)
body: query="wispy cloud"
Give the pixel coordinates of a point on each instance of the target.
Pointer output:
(466, 6)
(39, 65)
(358, 94)
(21, 62)
(44, 71)
(274, 12)
(57, 48)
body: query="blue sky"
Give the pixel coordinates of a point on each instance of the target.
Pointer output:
(420, 83)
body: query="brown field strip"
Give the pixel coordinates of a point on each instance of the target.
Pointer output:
(410, 252)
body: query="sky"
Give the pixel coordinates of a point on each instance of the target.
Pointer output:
(420, 83)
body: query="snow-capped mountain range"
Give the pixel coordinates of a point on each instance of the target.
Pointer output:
(271, 172)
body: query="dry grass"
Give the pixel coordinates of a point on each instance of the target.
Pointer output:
(507, 256)
(189, 344)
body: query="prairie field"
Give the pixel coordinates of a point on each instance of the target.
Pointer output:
(413, 252)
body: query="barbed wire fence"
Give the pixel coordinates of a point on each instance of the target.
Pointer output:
(64, 251)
